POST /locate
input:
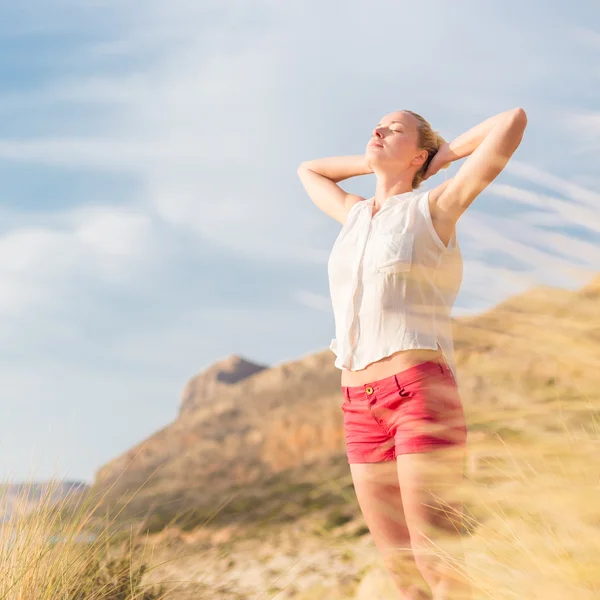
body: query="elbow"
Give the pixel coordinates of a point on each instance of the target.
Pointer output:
(520, 115)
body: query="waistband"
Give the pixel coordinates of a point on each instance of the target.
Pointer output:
(399, 380)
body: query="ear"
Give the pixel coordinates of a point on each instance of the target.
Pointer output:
(420, 159)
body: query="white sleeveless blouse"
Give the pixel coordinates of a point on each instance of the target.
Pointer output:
(393, 282)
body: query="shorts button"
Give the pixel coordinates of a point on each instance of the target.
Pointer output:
(369, 390)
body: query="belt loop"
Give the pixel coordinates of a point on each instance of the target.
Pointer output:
(398, 383)
(347, 393)
(442, 367)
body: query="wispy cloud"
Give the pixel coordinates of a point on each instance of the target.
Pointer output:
(313, 300)
(111, 154)
(586, 36)
(562, 211)
(545, 256)
(205, 109)
(572, 191)
(37, 264)
(585, 127)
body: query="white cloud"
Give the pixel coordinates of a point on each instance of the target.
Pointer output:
(112, 232)
(313, 300)
(206, 108)
(572, 191)
(100, 91)
(584, 126)
(492, 283)
(30, 249)
(116, 154)
(537, 218)
(30, 260)
(546, 257)
(564, 210)
(586, 36)
(36, 264)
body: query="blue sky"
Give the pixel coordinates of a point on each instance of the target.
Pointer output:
(151, 219)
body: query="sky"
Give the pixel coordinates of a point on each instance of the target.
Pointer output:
(151, 218)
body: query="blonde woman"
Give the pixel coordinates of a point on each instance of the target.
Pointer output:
(394, 272)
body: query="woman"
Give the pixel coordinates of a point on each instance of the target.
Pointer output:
(394, 273)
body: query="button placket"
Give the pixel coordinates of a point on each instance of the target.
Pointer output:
(354, 325)
(370, 392)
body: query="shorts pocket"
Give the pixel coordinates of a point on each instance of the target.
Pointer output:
(394, 253)
(344, 400)
(430, 396)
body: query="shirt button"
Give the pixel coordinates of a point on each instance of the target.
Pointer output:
(369, 390)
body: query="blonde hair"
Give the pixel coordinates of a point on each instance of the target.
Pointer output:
(429, 140)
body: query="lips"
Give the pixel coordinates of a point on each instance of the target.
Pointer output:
(376, 144)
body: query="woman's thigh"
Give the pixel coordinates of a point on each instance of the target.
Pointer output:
(380, 500)
(431, 483)
(432, 487)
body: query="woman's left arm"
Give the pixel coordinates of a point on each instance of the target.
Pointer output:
(489, 147)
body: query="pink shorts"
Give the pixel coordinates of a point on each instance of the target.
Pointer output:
(416, 410)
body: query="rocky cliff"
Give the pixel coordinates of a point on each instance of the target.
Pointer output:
(241, 424)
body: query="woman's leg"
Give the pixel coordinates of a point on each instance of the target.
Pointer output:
(428, 482)
(380, 500)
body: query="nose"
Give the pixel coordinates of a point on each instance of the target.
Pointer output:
(377, 133)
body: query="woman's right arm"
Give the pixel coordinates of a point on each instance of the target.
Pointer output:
(321, 176)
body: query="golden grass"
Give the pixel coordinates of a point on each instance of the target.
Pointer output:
(532, 527)
(537, 534)
(532, 517)
(530, 385)
(61, 550)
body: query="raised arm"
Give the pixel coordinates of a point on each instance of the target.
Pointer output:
(489, 147)
(321, 176)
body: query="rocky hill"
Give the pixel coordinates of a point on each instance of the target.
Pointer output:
(244, 428)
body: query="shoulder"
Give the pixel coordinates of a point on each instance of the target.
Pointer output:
(435, 210)
(440, 226)
(352, 200)
(353, 204)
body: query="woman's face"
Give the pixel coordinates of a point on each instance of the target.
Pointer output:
(394, 143)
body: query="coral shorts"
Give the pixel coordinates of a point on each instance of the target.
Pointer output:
(416, 410)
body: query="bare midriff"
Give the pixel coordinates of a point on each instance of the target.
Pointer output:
(390, 365)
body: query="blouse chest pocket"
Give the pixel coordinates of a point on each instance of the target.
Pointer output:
(393, 253)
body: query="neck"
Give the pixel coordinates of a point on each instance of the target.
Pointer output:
(391, 185)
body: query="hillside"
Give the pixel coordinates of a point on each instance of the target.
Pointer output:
(241, 424)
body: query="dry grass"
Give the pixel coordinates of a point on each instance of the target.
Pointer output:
(61, 550)
(261, 500)
(532, 530)
(537, 531)
(532, 524)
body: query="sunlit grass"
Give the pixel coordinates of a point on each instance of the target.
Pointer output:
(531, 497)
(532, 515)
(532, 519)
(532, 529)
(60, 549)
(537, 533)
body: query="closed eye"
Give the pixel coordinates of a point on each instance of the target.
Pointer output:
(395, 131)
(392, 130)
